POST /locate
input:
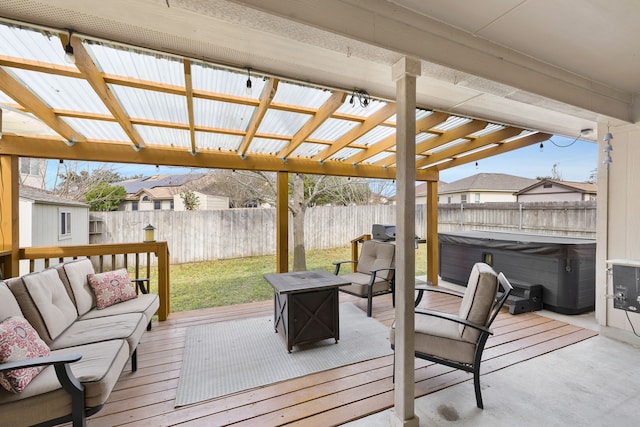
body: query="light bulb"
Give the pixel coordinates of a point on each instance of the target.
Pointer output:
(249, 85)
(541, 147)
(69, 58)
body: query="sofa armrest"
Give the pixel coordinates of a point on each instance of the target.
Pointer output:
(142, 284)
(57, 359)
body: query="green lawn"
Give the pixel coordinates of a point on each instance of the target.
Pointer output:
(236, 281)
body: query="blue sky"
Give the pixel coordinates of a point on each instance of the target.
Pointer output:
(575, 163)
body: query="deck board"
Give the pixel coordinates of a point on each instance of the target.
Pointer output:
(336, 396)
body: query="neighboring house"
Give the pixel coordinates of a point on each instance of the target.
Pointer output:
(483, 188)
(32, 172)
(50, 220)
(549, 190)
(421, 192)
(162, 192)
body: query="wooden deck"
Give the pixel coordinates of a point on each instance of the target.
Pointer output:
(146, 397)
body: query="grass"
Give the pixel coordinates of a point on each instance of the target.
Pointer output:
(236, 281)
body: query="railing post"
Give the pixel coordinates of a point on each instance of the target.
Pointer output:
(163, 281)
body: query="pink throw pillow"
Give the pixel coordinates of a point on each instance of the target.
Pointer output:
(111, 287)
(19, 341)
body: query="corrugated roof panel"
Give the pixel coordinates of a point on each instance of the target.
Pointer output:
(490, 128)
(59, 92)
(267, 145)
(277, 122)
(218, 141)
(436, 163)
(477, 150)
(378, 157)
(522, 134)
(147, 104)
(333, 129)
(153, 135)
(15, 121)
(356, 109)
(98, 129)
(452, 122)
(307, 149)
(218, 80)
(21, 42)
(137, 64)
(375, 135)
(450, 144)
(304, 96)
(346, 153)
(6, 99)
(422, 137)
(222, 115)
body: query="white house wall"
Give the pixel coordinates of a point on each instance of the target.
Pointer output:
(617, 225)
(568, 196)
(46, 220)
(485, 197)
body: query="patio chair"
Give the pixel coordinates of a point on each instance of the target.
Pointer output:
(457, 340)
(375, 272)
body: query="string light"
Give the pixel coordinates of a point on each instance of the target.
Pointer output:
(69, 58)
(363, 97)
(608, 137)
(249, 84)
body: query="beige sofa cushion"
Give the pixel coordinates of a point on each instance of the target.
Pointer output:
(146, 304)
(52, 300)
(360, 284)
(28, 307)
(8, 303)
(129, 327)
(44, 399)
(76, 273)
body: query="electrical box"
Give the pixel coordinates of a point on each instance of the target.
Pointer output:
(626, 287)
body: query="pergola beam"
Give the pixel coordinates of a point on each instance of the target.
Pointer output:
(51, 148)
(324, 112)
(94, 77)
(268, 93)
(189, 89)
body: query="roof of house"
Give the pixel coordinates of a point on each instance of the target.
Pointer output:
(38, 195)
(579, 187)
(488, 182)
(421, 189)
(134, 185)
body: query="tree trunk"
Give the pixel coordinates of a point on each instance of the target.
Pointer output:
(298, 212)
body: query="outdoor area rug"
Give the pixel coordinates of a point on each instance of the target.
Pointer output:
(228, 357)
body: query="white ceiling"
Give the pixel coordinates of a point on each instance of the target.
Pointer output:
(543, 64)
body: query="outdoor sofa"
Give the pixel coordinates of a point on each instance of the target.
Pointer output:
(81, 332)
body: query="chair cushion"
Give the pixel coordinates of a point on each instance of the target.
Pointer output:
(19, 341)
(30, 311)
(478, 299)
(52, 300)
(9, 306)
(376, 255)
(360, 284)
(77, 272)
(439, 337)
(111, 287)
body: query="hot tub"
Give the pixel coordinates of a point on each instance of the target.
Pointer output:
(564, 266)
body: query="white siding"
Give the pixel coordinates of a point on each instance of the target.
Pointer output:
(46, 225)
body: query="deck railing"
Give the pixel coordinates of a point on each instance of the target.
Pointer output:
(110, 256)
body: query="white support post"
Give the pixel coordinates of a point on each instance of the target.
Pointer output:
(404, 74)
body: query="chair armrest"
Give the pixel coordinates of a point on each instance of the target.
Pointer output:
(338, 264)
(41, 361)
(375, 272)
(454, 318)
(430, 288)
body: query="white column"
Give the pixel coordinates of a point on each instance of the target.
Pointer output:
(404, 74)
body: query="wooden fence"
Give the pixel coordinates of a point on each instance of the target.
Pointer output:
(195, 236)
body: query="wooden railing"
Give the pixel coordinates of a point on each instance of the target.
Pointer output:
(110, 256)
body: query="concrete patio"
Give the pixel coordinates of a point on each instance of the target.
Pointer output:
(594, 382)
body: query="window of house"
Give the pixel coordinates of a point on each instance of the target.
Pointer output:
(463, 198)
(171, 206)
(448, 199)
(156, 204)
(29, 166)
(65, 224)
(477, 198)
(547, 185)
(134, 206)
(145, 198)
